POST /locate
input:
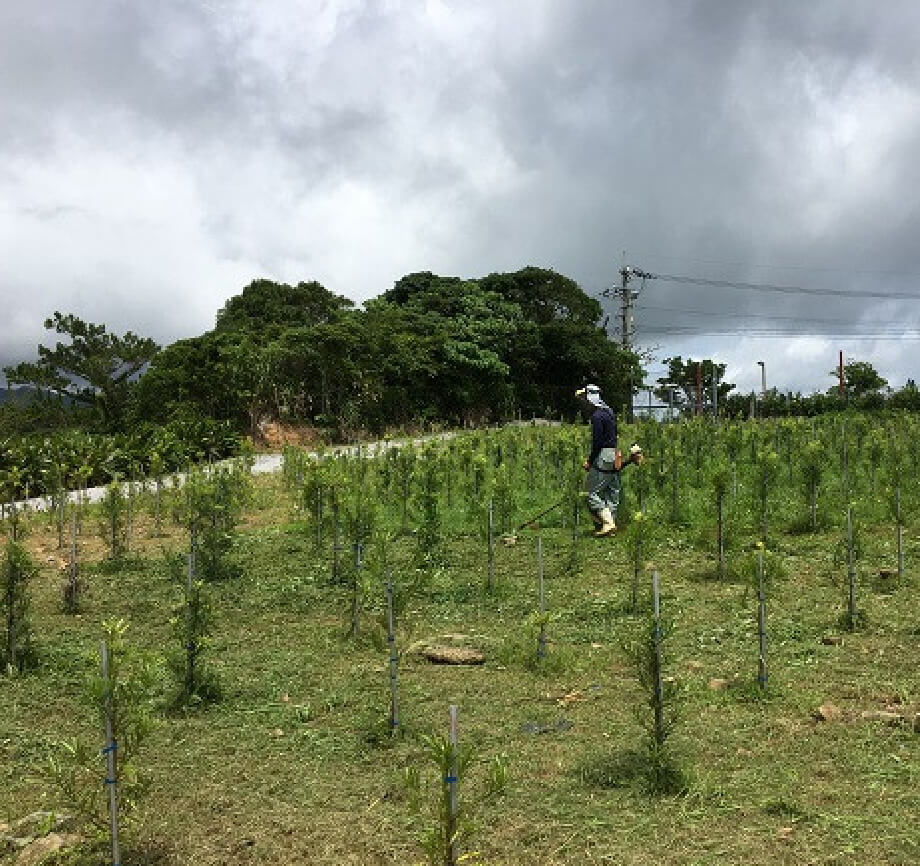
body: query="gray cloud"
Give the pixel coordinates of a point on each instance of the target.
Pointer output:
(159, 156)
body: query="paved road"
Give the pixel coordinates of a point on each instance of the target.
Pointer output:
(263, 464)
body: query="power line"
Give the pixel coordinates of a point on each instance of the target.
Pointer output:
(871, 331)
(759, 317)
(774, 333)
(806, 268)
(789, 290)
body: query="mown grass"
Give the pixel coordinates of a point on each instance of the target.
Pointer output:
(294, 765)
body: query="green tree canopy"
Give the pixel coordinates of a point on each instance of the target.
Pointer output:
(224, 375)
(466, 334)
(432, 348)
(95, 369)
(266, 307)
(687, 376)
(545, 296)
(542, 329)
(860, 379)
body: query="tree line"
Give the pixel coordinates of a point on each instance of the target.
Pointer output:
(698, 387)
(430, 350)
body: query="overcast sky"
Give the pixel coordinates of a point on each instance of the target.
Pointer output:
(156, 157)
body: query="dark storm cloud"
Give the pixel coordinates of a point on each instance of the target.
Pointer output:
(176, 150)
(79, 62)
(719, 140)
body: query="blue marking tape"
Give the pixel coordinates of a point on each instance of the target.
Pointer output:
(111, 781)
(451, 779)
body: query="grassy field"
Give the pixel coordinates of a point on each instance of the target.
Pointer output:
(296, 765)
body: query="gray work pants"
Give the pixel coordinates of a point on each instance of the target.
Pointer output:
(603, 488)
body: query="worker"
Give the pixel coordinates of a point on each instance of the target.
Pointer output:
(603, 480)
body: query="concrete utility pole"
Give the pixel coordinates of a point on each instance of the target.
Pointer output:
(627, 321)
(627, 296)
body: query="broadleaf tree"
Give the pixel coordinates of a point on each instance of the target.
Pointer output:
(860, 379)
(691, 380)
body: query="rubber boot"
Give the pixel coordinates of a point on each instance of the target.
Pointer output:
(607, 526)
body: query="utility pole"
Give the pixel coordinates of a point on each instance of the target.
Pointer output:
(627, 320)
(627, 296)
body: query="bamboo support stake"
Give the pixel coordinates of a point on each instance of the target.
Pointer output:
(491, 578)
(60, 515)
(190, 647)
(656, 640)
(721, 533)
(335, 540)
(900, 534)
(761, 622)
(319, 516)
(394, 660)
(356, 589)
(72, 566)
(129, 513)
(637, 567)
(452, 780)
(111, 779)
(814, 506)
(766, 525)
(851, 573)
(846, 462)
(675, 508)
(541, 643)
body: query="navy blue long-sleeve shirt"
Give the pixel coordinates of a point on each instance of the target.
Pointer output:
(603, 432)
